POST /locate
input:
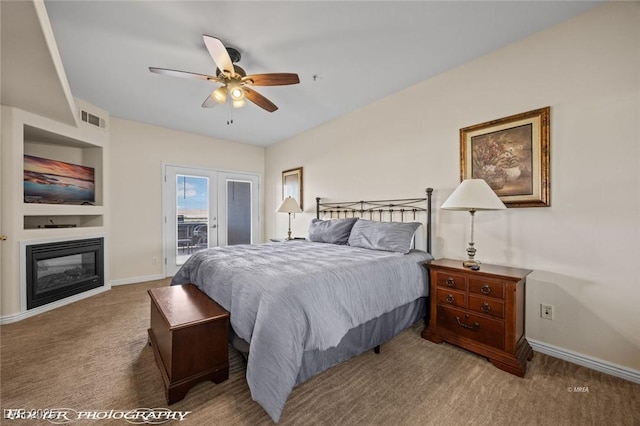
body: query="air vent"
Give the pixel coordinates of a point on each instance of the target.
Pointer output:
(94, 120)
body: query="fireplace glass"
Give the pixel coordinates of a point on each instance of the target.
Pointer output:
(62, 269)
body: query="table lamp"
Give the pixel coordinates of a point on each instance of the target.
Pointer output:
(289, 205)
(473, 195)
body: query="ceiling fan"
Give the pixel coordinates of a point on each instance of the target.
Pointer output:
(236, 84)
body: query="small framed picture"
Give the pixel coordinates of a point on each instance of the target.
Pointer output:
(292, 185)
(512, 155)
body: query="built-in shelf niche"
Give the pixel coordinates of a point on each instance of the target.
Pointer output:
(46, 144)
(58, 222)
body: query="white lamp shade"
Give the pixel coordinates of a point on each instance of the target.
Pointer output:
(289, 205)
(473, 194)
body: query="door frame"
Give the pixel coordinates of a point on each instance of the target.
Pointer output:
(165, 197)
(169, 212)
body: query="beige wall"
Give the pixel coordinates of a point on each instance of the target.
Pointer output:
(584, 248)
(138, 152)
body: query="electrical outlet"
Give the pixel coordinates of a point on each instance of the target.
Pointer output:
(546, 311)
(155, 260)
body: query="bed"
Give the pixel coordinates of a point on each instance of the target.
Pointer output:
(300, 307)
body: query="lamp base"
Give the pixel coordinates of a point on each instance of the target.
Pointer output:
(470, 263)
(289, 230)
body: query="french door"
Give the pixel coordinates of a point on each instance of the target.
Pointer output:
(206, 208)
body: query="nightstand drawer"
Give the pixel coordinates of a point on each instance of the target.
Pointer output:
(487, 287)
(486, 306)
(481, 329)
(452, 281)
(451, 297)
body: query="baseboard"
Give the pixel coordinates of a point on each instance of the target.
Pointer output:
(135, 280)
(586, 361)
(8, 319)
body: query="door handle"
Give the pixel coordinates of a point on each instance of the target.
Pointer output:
(3, 238)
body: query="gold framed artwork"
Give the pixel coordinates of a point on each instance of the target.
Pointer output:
(512, 155)
(292, 185)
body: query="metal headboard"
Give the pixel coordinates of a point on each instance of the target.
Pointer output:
(406, 208)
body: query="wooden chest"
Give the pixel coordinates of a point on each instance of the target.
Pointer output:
(481, 311)
(189, 335)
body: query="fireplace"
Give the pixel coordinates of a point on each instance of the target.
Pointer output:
(61, 269)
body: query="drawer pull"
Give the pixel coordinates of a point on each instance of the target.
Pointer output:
(485, 289)
(450, 298)
(450, 282)
(475, 325)
(485, 307)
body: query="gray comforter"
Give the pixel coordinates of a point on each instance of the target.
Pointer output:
(286, 298)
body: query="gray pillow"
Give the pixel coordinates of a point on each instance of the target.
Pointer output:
(387, 236)
(335, 231)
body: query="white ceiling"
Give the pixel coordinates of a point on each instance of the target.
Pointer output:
(360, 51)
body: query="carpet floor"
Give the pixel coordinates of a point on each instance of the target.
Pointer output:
(93, 355)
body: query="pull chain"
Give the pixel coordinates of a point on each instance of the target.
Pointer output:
(230, 114)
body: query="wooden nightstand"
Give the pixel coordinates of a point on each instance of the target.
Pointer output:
(481, 311)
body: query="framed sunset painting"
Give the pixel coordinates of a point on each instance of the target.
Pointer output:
(49, 181)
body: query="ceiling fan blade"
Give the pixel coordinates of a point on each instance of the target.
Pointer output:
(184, 74)
(209, 102)
(260, 100)
(274, 79)
(219, 54)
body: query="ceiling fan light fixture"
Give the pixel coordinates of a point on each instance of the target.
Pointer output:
(219, 95)
(238, 103)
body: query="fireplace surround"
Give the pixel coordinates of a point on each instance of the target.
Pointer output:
(60, 269)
